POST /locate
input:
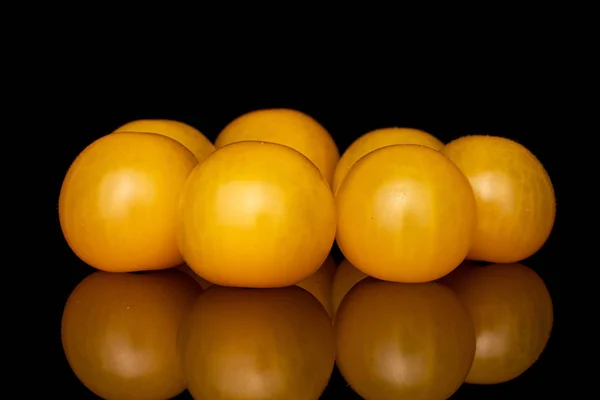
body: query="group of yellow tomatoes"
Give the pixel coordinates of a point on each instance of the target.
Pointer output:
(263, 209)
(263, 205)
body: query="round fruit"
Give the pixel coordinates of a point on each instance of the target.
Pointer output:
(512, 312)
(405, 214)
(119, 333)
(403, 341)
(256, 215)
(185, 134)
(257, 344)
(288, 127)
(346, 276)
(515, 199)
(377, 139)
(119, 198)
(319, 284)
(204, 284)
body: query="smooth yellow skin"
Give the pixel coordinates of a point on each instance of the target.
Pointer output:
(119, 198)
(288, 127)
(256, 214)
(185, 134)
(346, 276)
(405, 214)
(377, 139)
(319, 284)
(516, 206)
(513, 316)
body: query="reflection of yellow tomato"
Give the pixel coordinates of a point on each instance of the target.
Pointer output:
(513, 316)
(201, 281)
(515, 199)
(119, 333)
(257, 344)
(405, 214)
(119, 198)
(319, 284)
(346, 276)
(377, 139)
(463, 268)
(256, 215)
(403, 341)
(185, 134)
(288, 127)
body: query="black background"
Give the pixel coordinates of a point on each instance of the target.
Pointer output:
(516, 115)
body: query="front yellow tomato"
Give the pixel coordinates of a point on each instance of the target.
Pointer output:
(256, 214)
(405, 214)
(119, 198)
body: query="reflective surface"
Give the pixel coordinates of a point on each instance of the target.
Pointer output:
(398, 340)
(121, 331)
(513, 316)
(257, 344)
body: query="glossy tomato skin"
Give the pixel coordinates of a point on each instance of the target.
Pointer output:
(346, 276)
(403, 341)
(256, 214)
(405, 214)
(185, 134)
(320, 283)
(119, 198)
(271, 344)
(119, 333)
(288, 127)
(377, 139)
(515, 198)
(513, 316)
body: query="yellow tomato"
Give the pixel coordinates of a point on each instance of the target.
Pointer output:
(185, 134)
(256, 214)
(204, 284)
(288, 127)
(119, 198)
(405, 214)
(515, 199)
(377, 139)
(119, 333)
(346, 276)
(513, 316)
(319, 284)
(268, 344)
(403, 341)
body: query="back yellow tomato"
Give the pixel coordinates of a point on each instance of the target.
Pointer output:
(377, 139)
(515, 199)
(119, 198)
(256, 214)
(185, 134)
(288, 127)
(405, 214)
